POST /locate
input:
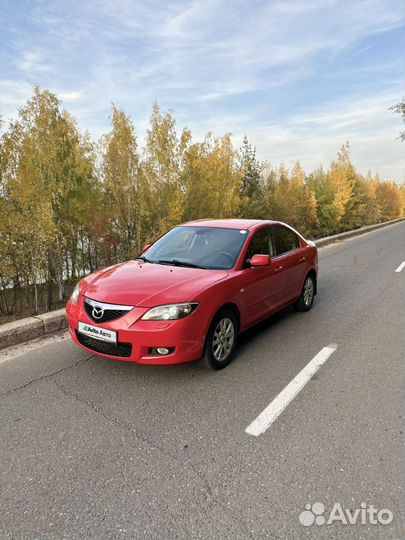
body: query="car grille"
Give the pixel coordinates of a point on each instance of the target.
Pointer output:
(108, 315)
(111, 312)
(123, 350)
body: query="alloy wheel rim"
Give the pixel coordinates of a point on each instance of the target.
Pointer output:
(308, 291)
(223, 339)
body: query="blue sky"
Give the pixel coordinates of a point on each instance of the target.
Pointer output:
(298, 77)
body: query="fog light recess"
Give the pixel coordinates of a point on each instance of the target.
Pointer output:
(161, 351)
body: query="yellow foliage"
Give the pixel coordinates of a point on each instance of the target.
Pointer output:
(68, 206)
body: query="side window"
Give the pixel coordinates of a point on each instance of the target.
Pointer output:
(272, 242)
(262, 243)
(287, 240)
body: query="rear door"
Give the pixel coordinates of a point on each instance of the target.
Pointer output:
(263, 285)
(291, 257)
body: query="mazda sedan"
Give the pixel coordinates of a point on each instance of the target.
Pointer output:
(191, 293)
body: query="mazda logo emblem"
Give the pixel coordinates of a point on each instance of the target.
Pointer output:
(97, 312)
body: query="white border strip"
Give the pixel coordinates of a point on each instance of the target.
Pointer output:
(276, 407)
(400, 267)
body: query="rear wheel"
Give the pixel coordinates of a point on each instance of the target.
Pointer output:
(221, 340)
(305, 301)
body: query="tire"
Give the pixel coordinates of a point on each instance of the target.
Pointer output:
(218, 353)
(305, 301)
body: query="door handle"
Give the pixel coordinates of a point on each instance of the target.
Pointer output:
(302, 259)
(278, 268)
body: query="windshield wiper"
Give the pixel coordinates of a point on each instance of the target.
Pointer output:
(176, 262)
(144, 259)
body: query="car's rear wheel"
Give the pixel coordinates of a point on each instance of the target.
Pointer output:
(305, 301)
(221, 340)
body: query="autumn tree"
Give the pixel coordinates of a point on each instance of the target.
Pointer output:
(333, 190)
(290, 200)
(212, 179)
(163, 162)
(327, 213)
(26, 222)
(303, 202)
(45, 166)
(126, 194)
(251, 192)
(402, 199)
(362, 207)
(389, 200)
(342, 176)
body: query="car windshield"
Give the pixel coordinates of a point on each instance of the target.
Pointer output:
(198, 247)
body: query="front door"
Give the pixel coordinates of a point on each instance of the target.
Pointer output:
(263, 284)
(291, 257)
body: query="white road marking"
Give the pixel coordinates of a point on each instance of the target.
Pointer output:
(400, 267)
(276, 407)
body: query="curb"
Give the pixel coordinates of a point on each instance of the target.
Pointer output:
(22, 330)
(29, 328)
(356, 232)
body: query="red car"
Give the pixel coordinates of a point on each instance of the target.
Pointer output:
(191, 293)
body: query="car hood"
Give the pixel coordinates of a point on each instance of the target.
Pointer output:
(148, 285)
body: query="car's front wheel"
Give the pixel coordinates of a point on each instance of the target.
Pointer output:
(221, 340)
(305, 301)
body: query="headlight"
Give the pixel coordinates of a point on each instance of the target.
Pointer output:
(170, 312)
(75, 294)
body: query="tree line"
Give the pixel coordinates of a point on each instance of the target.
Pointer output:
(69, 205)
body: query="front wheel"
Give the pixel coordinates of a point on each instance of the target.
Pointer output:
(221, 340)
(305, 301)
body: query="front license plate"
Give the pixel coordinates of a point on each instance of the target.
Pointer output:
(98, 333)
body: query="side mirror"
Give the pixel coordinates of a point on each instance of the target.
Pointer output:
(260, 260)
(145, 247)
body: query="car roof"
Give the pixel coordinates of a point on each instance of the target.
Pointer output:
(228, 223)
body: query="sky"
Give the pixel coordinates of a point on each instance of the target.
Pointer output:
(298, 77)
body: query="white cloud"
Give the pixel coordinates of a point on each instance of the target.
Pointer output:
(13, 95)
(197, 49)
(33, 63)
(69, 97)
(222, 66)
(315, 137)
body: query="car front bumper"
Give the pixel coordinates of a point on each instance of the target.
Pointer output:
(136, 338)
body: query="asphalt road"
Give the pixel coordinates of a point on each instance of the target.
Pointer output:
(91, 448)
